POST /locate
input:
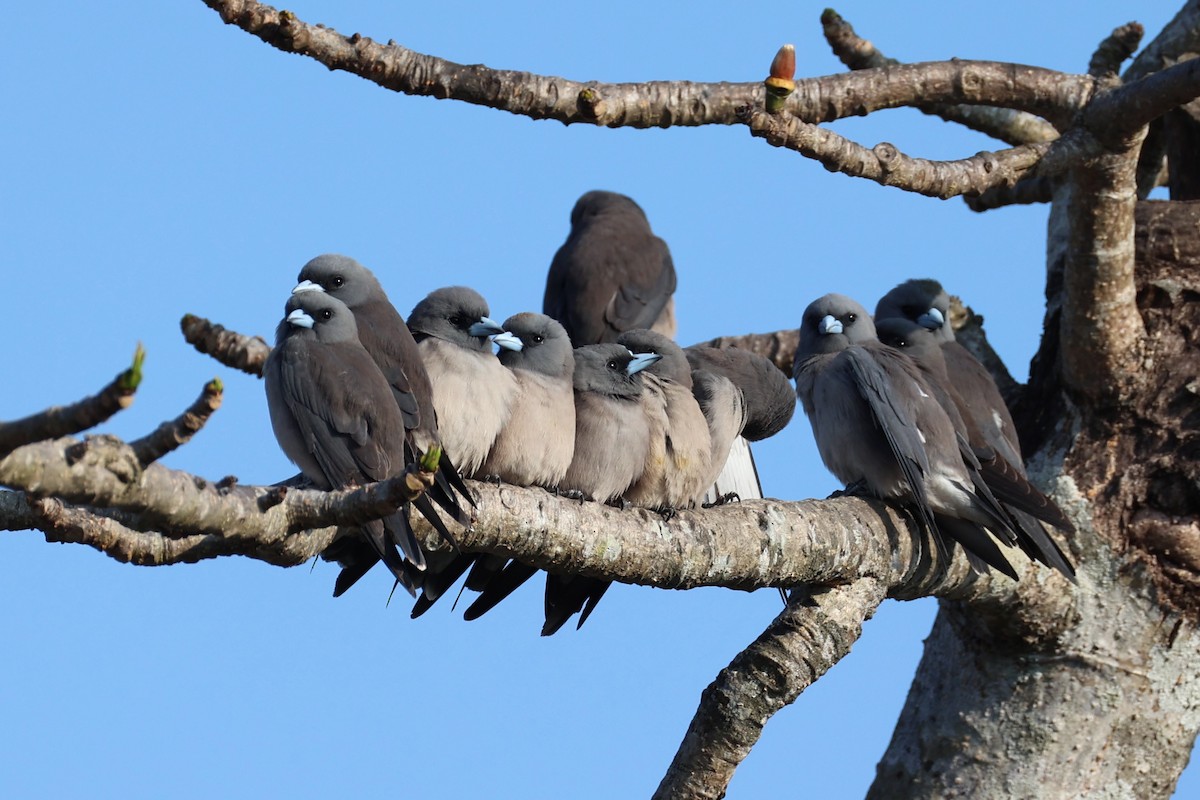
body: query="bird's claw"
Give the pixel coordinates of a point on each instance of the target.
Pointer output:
(728, 497)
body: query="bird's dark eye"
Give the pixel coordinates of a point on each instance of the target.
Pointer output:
(851, 317)
(537, 339)
(614, 365)
(326, 313)
(337, 281)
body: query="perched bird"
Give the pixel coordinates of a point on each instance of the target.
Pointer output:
(612, 436)
(333, 415)
(878, 426)
(612, 442)
(612, 274)
(741, 394)
(926, 303)
(383, 334)
(680, 446)
(1023, 501)
(472, 391)
(535, 446)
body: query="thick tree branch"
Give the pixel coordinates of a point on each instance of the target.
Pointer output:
(658, 103)
(1116, 116)
(179, 431)
(238, 351)
(813, 633)
(741, 546)
(87, 413)
(1012, 127)
(1101, 329)
(1027, 191)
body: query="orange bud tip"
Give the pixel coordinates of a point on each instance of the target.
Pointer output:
(784, 64)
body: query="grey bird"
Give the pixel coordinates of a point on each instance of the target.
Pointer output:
(536, 445)
(741, 394)
(334, 416)
(925, 302)
(472, 391)
(879, 427)
(612, 274)
(390, 344)
(1025, 504)
(612, 442)
(680, 446)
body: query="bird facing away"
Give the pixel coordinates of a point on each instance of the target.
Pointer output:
(680, 445)
(388, 341)
(877, 425)
(472, 391)
(333, 415)
(741, 394)
(612, 274)
(1023, 501)
(926, 303)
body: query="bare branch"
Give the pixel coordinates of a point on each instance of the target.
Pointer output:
(1007, 125)
(1115, 49)
(258, 522)
(742, 546)
(1101, 330)
(661, 104)
(886, 165)
(179, 431)
(1117, 116)
(1027, 191)
(779, 347)
(236, 350)
(87, 413)
(812, 634)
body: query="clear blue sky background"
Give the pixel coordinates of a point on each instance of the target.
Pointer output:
(158, 162)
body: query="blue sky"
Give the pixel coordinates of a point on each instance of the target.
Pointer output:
(158, 162)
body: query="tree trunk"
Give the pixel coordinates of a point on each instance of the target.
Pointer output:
(1100, 699)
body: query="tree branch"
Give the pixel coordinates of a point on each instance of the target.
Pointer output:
(778, 347)
(886, 165)
(258, 522)
(1101, 330)
(1027, 191)
(1115, 49)
(741, 546)
(1007, 125)
(238, 351)
(179, 431)
(812, 634)
(659, 103)
(87, 413)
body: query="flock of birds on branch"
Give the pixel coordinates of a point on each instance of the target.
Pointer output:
(593, 399)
